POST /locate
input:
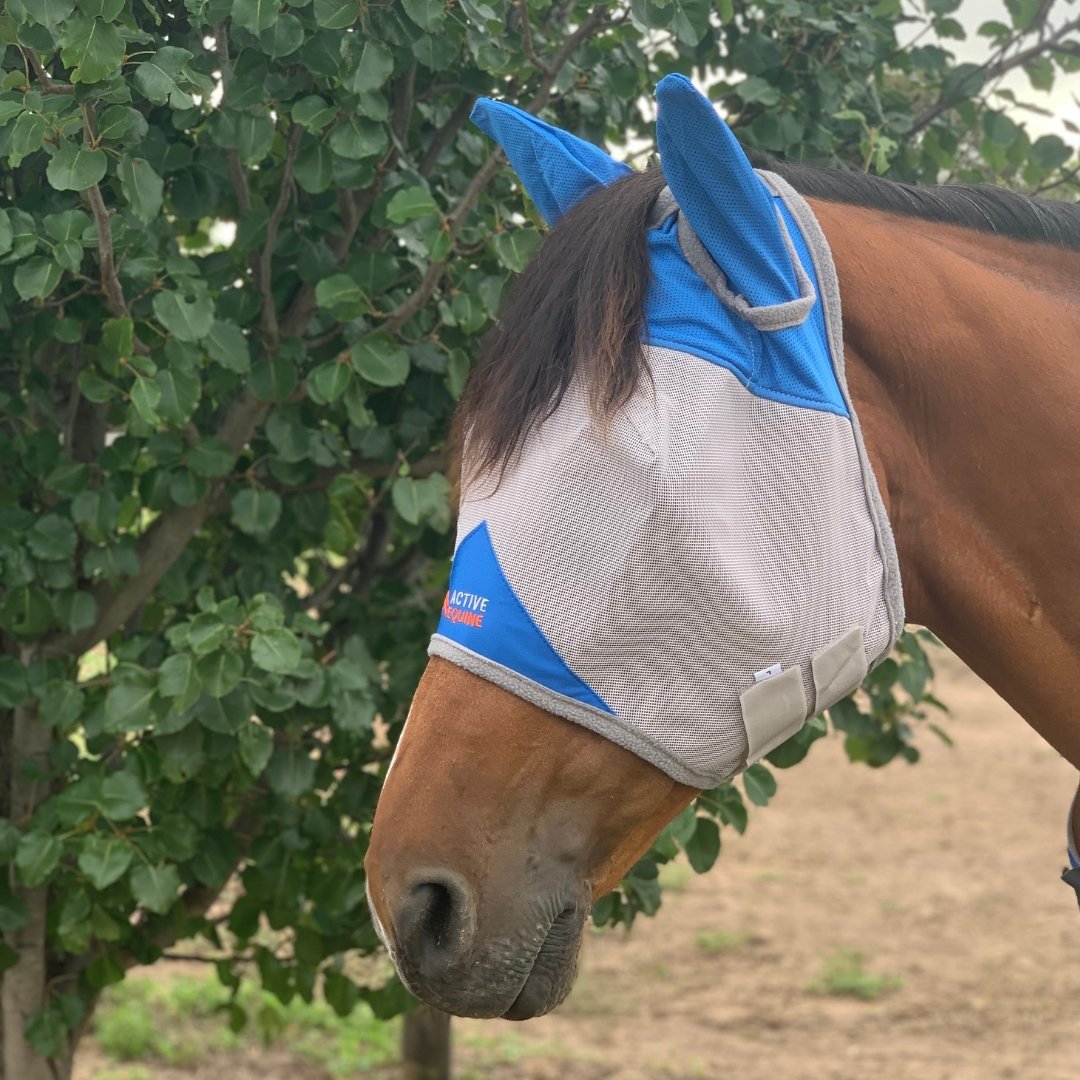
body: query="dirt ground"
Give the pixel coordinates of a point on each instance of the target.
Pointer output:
(944, 874)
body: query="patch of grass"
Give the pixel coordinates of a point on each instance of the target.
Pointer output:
(124, 1072)
(675, 876)
(183, 1021)
(719, 941)
(844, 974)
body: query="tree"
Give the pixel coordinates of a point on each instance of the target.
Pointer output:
(246, 251)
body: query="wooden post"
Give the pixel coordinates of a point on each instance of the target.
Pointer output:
(425, 1044)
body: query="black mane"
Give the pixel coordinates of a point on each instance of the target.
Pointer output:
(972, 206)
(577, 308)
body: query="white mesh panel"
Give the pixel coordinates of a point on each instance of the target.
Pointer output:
(707, 535)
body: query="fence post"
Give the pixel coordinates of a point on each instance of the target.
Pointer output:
(425, 1044)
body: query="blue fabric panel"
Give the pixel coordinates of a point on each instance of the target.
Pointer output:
(558, 169)
(725, 201)
(681, 312)
(483, 613)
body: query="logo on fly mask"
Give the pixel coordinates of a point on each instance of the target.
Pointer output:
(483, 614)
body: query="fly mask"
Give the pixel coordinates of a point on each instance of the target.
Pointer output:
(697, 576)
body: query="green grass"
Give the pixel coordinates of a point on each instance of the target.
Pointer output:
(844, 974)
(719, 941)
(184, 1021)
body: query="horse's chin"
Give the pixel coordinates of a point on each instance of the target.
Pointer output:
(553, 972)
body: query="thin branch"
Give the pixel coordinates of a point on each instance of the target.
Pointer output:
(110, 279)
(43, 77)
(1070, 177)
(266, 256)
(444, 135)
(402, 96)
(237, 176)
(397, 318)
(527, 39)
(999, 64)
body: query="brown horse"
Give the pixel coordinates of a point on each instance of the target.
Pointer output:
(499, 822)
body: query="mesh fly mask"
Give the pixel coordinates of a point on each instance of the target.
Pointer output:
(715, 566)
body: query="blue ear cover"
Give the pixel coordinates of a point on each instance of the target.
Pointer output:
(724, 200)
(558, 169)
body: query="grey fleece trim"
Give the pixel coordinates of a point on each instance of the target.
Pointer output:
(769, 317)
(606, 724)
(830, 290)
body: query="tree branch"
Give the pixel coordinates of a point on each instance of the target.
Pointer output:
(264, 275)
(110, 280)
(397, 318)
(43, 77)
(999, 64)
(444, 135)
(527, 45)
(237, 175)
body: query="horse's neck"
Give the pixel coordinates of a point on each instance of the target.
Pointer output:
(963, 355)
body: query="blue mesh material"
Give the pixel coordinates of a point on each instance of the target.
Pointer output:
(681, 312)
(558, 169)
(716, 187)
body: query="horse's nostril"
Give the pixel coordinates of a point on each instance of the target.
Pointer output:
(436, 921)
(436, 912)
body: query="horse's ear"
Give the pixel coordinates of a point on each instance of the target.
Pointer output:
(557, 168)
(724, 200)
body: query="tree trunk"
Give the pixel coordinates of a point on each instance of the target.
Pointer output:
(425, 1044)
(23, 992)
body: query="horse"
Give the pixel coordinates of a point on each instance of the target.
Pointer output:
(500, 821)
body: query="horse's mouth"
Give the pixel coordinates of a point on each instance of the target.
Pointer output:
(554, 968)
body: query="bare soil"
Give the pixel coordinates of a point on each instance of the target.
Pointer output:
(944, 874)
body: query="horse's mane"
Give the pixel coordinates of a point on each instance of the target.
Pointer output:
(577, 308)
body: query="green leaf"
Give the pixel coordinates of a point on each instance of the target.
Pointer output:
(355, 138)
(75, 167)
(211, 457)
(313, 112)
(336, 14)
(14, 689)
(380, 360)
(409, 203)
(256, 746)
(142, 187)
(52, 537)
(122, 796)
(51, 13)
(26, 611)
(220, 673)
(329, 381)
(92, 47)
(36, 278)
(427, 14)
(291, 772)
(423, 500)
(180, 391)
(177, 680)
(249, 135)
(159, 78)
(276, 651)
(338, 290)
(155, 887)
(75, 611)
(516, 248)
(227, 345)
(283, 37)
(104, 858)
(703, 847)
(36, 857)
(314, 169)
(255, 15)
(103, 9)
(129, 704)
(188, 317)
(145, 395)
(255, 510)
(759, 784)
